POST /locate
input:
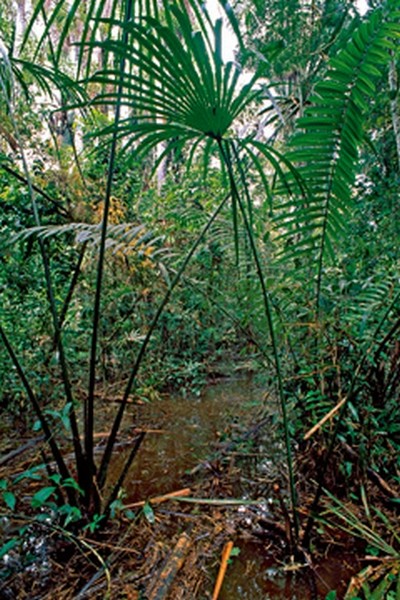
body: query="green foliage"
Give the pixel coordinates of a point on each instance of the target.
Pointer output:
(327, 148)
(98, 248)
(381, 533)
(9, 497)
(294, 40)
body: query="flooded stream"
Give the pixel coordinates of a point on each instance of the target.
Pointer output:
(183, 433)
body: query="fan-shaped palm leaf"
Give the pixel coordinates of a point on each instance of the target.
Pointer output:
(177, 87)
(83, 23)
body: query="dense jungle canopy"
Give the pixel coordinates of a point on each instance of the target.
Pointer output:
(189, 192)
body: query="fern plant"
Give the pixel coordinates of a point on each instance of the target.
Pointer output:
(325, 149)
(164, 78)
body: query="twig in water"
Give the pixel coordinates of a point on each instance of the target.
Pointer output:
(222, 569)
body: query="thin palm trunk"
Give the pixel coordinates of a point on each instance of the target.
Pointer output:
(225, 152)
(90, 488)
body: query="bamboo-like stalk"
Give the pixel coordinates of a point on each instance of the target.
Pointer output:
(68, 297)
(125, 469)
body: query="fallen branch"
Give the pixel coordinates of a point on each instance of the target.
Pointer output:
(160, 499)
(218, 501)
(144, 430)
(222, 569)
(324, 419)
(31, 444)
(159, 589)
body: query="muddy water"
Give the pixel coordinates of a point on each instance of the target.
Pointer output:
(183, 432)
(253, 575)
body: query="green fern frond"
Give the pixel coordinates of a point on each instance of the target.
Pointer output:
(326, 147)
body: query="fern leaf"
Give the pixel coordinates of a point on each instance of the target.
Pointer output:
(326, 145)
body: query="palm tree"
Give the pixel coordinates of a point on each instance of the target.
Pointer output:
(164, 77)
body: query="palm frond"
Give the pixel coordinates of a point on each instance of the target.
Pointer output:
(48, 80)
(326, 146)
(20, 72)
(122, 238)
(84, 23)
(176, 84)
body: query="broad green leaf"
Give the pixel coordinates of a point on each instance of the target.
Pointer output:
(5, 548)
(41, 497)
(149, 513)
(10, 499)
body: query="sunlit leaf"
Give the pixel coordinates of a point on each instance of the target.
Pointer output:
(149, 513)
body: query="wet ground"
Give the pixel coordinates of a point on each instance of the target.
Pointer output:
(187, 434)
(257, 576)
(224, 444)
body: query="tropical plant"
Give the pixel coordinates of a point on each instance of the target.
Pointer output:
(381, 579)
(163, 75)
(211, 98)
